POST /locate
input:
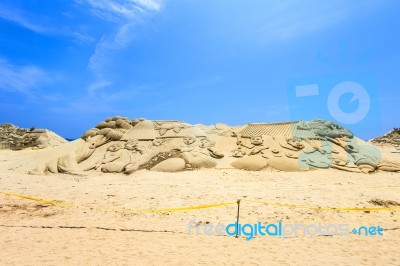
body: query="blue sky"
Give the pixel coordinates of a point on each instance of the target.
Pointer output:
(67, 65)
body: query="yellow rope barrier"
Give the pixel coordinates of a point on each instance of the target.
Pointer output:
(186, 208)
(197, 207)
(36, 199)
(325, 208)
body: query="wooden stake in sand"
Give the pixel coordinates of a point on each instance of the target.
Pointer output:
(237, 219)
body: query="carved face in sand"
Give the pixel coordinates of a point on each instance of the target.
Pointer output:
(295, 144)
(257, 140)
(131, 144)
(158, 142)
(189, 140)
(238, 153)
(114, 148)
(206, 143)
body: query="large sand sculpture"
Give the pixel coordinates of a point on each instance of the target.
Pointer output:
(391, 138)
(15, 138)
(121, 145)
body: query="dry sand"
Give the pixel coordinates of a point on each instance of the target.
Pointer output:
(34, 233)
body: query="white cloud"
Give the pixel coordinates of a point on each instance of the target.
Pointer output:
(98, 85)
(110, 44)
(23, 79)
(290, 19)
(292, 26)
(17, 17)
(35, 24)
(119, 10)
(150, 4)
(125, 14)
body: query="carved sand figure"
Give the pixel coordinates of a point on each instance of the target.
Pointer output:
(158, 142)
(194, 155)
(189, 140)
(390, 138)
(119, 157)
(69, 163)
(367, 157)
(284, 153)
(165, 127)
(263, 150)
(138, 156)
(317, 157)
(19, 138)
(133, 146)
(293, 144)
(210, 146)
(165, 155)
(170, 146)
(258, 143)
(292, 147)
(238, 153)
(255, 160)
(288, 153)
(319, 151)
(114, 160)
(323, 129)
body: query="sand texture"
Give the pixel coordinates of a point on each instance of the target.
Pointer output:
(123, 145)
(99, 232)
(130, 191)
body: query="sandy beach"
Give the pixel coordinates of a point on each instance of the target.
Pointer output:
(100, 230)
(157, 132)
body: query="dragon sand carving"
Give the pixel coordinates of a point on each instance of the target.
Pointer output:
(121, 145)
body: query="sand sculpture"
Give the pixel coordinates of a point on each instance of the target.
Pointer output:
(13, 137)
(392, 138)
(68, 163)
(121, 145)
